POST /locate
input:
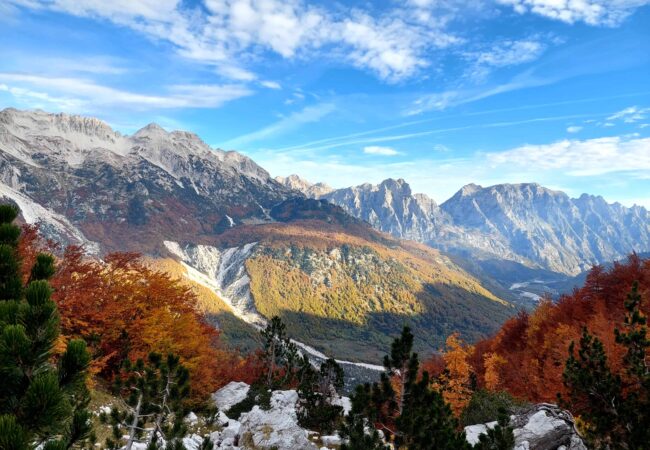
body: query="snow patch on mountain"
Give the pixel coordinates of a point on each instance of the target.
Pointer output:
(52, 223)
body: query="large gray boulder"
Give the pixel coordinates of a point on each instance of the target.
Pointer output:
(542, 427)
(275, 428)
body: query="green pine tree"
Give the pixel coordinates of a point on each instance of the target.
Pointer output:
(280, 356)
(154, 394)
(415, 417)
(41, 400)
(357, 430)
(615, 407)
(317, 391)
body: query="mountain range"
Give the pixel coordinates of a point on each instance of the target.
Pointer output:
(90, 184)
(526, 224)
(252, 246)
(340, 266)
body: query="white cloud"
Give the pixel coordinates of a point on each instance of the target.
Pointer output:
(229, 33)
(581, 158)
(42, 100)
(391, 47)
(503, 54)
(446, 99)
(291, 122)
(377, 150)
(631, 115)
(295, 97)
(271, 84)
(87, 95)
(441, 148)
(573, 129)
(562, 165)
(368, 138)
(592, 12)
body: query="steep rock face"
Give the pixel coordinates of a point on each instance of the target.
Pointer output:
(141, 187)
(547, 228)
(392, 208)
(524, 223)
(222, 271)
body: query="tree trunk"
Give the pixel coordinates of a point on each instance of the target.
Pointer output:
(134, 424)
(272, 366)
(160, 416)
(402, 376)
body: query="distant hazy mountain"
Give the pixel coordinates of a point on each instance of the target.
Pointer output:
(296, 183)
(524, 223)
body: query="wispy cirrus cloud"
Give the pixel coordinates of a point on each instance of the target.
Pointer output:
(226, 33)
(306, 115)
(271, 84)
(631, 114)
(82, 94)
(503, 53)
(592, 12)
(42, 100)
(581, 157)
(439, 101)
(563, 64)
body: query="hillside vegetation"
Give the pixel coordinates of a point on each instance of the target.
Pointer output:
(345, 289)
(234, 332)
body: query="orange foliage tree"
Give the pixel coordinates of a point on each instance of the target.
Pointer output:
(527, 355)
(125, 309)
(493, 363)
(455, 380)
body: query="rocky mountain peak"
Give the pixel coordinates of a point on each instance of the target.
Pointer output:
(524, 222)
(469, 189)
(39, 122)
(390, 206)
(152, 129)
(399, 186)
(297, 183)
(79, 167)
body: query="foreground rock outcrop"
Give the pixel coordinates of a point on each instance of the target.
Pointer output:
(542, 427)
(276, 427)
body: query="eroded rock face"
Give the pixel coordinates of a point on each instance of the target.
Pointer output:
(543, 427)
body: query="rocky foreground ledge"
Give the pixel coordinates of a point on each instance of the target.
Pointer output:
(541, 427)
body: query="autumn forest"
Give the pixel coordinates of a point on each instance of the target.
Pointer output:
(573, 351)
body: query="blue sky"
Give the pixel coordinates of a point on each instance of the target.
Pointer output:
(439, 92)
